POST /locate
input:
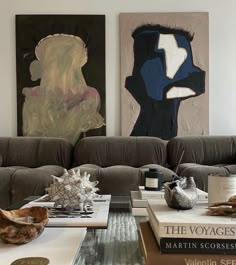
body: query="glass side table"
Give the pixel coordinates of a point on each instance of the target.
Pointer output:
(116, 245)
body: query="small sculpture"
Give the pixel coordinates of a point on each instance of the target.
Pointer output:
(181, 193)
(22, 225)
(72, 190)
(223, 208)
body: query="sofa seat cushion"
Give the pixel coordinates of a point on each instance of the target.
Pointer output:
(5, 190)
(24, 182)
(231, 169)
(201, 172)
(119, 180)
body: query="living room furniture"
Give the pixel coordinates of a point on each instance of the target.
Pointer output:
(119, 163)
(199, 156)
(117, 244)
(27, 164)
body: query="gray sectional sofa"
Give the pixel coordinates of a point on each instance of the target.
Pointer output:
(118, 163)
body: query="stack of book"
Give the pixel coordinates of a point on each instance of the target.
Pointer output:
(187, 236)
(139, 199)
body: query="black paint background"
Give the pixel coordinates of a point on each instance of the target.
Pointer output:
(30, 29)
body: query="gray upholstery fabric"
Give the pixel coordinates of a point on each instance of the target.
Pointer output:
(200, 173)
(32, 181)
(206, 150)
(119, 180)
(35, 151)
(28, 163)
(131, 151)
(202, 155)
(5, 186)
(119, 163)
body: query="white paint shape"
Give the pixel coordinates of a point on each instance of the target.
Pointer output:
(174, 55)
(180, 92)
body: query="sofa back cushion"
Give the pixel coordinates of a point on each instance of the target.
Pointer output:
(132, 151)
(35, 151)
(206, 150)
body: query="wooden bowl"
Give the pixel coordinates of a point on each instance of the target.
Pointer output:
(22, 225)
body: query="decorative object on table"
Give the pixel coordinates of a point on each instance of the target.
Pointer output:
(223, 208)
(22, 225)
(141, 196)
(181, 193)
(72, 190)
(31, 261)
(153, 179)
(220, 187)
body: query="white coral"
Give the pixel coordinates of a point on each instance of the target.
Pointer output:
(72, 190)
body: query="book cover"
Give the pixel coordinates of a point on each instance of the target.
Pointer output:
(136, 200)
(96, 218)
(147, 194)
(59, 245)
(152, 254)
(193, 223)
(138, 211)
(193, 245)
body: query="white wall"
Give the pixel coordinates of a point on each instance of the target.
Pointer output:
(222, 53)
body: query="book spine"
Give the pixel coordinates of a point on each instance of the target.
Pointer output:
(194, 259)
(188, 230)
(157, 196)
(197, 246)
(139, 212)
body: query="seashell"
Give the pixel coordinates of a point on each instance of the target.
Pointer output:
(72, 190)
(181, 193)
(22, 225)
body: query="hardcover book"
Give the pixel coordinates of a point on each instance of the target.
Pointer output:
(147, 194)
(138, 211)
(152, 254)
(192, 245)
(136, 200)
(193, 223)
